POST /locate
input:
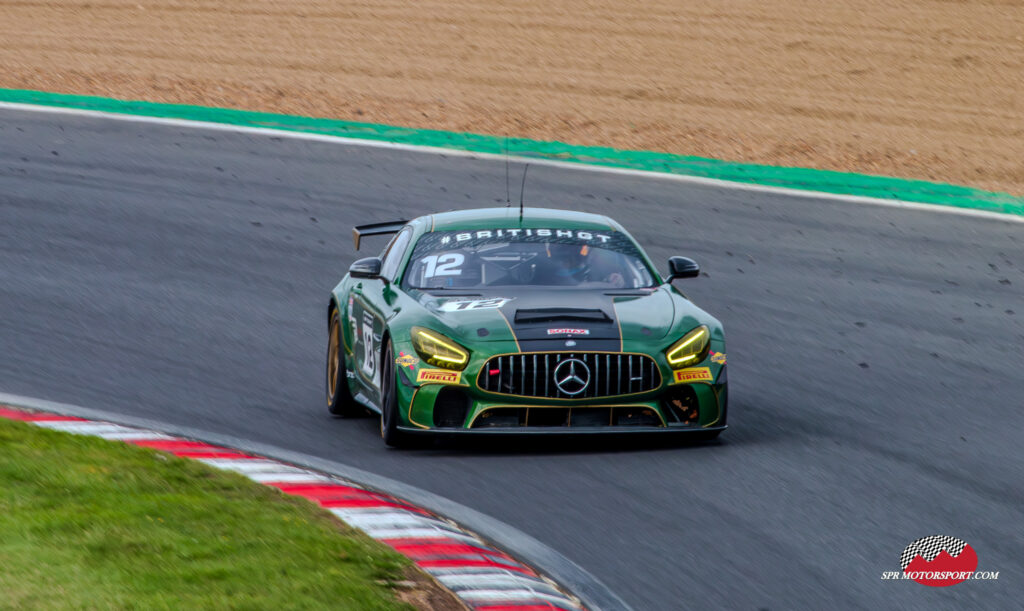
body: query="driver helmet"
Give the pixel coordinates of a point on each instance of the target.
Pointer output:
(569, 260)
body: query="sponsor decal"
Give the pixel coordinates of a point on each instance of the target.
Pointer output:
(406, 360)
(473, 304)
(353, 325)
(568, 331)
(439, 376)
(693, 374)
(588, 236)
(939, 561)
(718, 357)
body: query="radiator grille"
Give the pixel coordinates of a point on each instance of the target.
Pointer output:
(569, 375)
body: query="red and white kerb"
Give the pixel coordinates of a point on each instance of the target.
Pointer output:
(486, 579)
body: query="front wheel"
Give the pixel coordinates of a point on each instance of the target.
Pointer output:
(389, 403)
(339, 400)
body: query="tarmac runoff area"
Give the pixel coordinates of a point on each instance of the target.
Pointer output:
(483, 577)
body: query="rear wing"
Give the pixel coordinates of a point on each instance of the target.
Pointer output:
(376, 229)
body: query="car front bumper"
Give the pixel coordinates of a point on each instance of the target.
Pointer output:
(464, 408)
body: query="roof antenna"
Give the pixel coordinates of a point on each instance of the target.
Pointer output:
(508, 198)
(522, 189)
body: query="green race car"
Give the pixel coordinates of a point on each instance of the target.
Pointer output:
(503, 320)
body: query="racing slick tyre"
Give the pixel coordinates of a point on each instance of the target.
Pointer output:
(339, 400)
(389, 403)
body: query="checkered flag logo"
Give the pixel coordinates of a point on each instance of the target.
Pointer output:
(930, 547)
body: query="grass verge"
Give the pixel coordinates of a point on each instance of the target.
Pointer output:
(87, 523)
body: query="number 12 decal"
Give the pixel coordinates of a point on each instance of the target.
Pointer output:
(443, 265)
(475, 304)
(369, 355)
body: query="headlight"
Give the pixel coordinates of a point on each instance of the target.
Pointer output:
(438, 350)
(690, 350)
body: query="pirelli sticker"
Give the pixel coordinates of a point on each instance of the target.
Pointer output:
(693, 374)
(438, 376)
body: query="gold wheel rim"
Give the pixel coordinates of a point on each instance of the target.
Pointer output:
(333, 356)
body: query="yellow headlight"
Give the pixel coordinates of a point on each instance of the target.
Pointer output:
(690, 350)
(438, 350)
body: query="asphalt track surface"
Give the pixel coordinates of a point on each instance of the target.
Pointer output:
(875, 354)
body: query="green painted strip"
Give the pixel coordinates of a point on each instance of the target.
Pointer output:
(793, 178)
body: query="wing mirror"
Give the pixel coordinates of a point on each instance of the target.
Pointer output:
(365, 268)
(682, 267)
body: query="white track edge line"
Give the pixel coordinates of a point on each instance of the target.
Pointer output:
(582, 166)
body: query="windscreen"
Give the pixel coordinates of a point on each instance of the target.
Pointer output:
(526, 257)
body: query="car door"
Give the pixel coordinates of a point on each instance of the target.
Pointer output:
(372, 299)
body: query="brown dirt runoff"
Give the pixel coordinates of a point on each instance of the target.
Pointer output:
(930, 89)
